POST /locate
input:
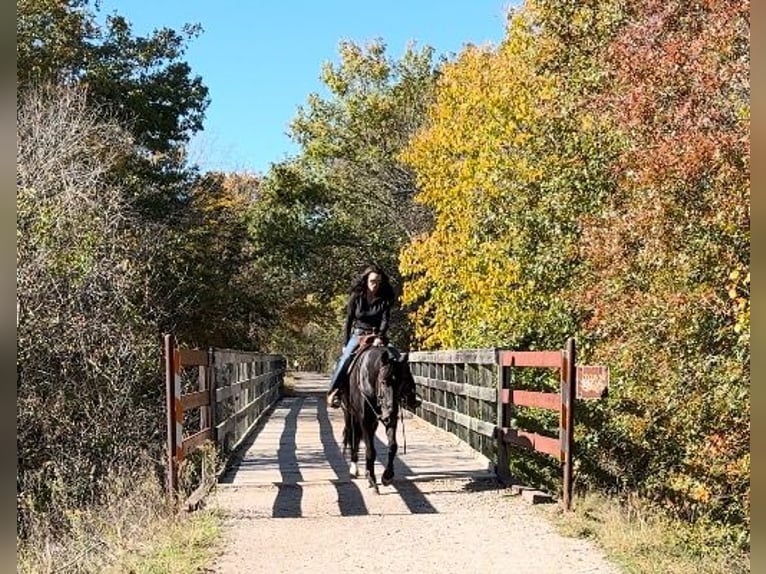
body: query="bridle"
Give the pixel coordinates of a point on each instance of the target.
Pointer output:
(379, 383)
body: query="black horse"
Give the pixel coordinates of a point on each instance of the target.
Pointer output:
(373, 396)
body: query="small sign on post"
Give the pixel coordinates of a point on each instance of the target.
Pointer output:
(592, 381)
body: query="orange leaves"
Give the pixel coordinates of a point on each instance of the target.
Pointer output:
(681, 71)
(591, 174)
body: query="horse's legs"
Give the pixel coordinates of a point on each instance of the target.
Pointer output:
(369, 455)
(388, 474)
(355, 439)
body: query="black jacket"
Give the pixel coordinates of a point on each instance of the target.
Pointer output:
(370, 316)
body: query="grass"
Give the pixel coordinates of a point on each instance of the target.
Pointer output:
(641, 540)
(136, 530)
(182, 545)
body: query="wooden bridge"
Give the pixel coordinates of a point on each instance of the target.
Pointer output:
(290, 504)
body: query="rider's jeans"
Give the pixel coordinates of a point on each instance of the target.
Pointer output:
(343, 360)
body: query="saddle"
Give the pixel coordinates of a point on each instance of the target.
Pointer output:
(365, 342)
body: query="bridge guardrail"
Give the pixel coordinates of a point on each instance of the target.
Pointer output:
(234, 390)
(470, 394)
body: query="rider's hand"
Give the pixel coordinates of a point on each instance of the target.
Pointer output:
(378, 342)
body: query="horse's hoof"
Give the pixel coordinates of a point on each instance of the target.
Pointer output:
(353, 470)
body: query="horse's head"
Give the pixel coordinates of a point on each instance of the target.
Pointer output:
(387, 388)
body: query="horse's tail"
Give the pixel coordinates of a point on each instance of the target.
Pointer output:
(347, 430)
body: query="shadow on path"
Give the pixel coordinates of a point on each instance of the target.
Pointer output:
(287, 504)
(416, 501)
(350, 499)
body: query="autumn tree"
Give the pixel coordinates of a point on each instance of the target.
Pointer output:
(86, 355)
(509, 164)
(590, 176)
(669, 284)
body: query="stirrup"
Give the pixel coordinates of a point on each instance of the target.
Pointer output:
(333, 399)
(413, 401)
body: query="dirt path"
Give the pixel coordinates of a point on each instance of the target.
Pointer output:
(291, 506)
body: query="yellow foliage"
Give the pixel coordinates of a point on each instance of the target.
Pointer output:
(467, 162)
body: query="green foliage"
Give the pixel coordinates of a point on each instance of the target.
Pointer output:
(346, 200)
(215, 293)
(350, 141)
(51, 40)
(141, 82)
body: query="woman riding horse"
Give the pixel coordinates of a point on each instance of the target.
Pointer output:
(368, 313)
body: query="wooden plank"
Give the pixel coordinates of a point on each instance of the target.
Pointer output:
(170, 401)
(191, 357)
(193, 400)
(533, 441)
(225, 426)
(472, 391)
(252, 403)
(230, 424)
(226, 423)
(550, 359)
(473, 424)
(195, 440)
(241, 439)
(532, 399)
(228, 356)
(471, 356)
(223, 393)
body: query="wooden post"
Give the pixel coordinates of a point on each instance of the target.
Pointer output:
(211, 385)
(202, 386)
(568, 390)
(170, 402)
(503, 464)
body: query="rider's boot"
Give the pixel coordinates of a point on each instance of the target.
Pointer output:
(334, 398)
(412, 400)
(335, 394)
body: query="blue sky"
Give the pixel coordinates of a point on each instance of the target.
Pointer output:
(261, 59)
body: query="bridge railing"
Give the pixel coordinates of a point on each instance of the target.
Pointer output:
(459, 391)
(227, 391)
(471, 394)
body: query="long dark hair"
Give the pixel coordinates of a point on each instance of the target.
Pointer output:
(385, 290)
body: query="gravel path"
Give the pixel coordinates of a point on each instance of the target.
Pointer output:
(291, 506)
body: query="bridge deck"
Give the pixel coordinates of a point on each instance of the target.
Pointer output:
(291, 505)
(302, 444)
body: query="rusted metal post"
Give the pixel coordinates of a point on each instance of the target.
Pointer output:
(211, 384)
(170, 402)
(568, 390)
